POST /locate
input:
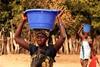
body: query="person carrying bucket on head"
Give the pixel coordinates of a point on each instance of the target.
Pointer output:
(86, 47)
(41, 54)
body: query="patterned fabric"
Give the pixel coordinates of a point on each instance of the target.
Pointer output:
(44, 32)
(42, 57)
(41, 61)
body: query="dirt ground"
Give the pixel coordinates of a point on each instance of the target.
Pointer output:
(23, 60)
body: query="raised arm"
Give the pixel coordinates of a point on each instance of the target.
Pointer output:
(79, 31)
(18, 37)
(80, 34)
(62, 35)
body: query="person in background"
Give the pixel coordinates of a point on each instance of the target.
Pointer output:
(85, 48)
(94, 59)
(41, 38)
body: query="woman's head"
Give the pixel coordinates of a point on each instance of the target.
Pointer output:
(42, 37)
(85, 34)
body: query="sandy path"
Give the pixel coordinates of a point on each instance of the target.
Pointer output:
(22, 60)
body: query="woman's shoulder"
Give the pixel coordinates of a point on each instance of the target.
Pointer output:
(32, 45)
(32, 48)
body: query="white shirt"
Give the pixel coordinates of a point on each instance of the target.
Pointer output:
(85, 50)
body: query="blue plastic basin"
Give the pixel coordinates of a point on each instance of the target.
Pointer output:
(41, 18)
(86, 27)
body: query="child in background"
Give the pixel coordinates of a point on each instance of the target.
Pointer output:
(86, 47)
(94, 60)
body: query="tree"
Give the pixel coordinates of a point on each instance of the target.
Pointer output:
(84, 9)
(10, 11)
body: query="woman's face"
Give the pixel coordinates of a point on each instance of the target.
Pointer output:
(41, 39)
(86, 34)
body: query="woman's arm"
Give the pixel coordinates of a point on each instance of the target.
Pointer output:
(18, 37)
(79, 31)
(62, 35)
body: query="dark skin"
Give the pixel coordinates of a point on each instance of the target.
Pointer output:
(41, 41)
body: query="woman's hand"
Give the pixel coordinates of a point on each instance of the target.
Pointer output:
(24, 17)
(61, 12)
(82, 25)
(60, 15)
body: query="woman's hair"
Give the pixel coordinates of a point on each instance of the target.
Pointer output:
(42, 31)
(35, 32)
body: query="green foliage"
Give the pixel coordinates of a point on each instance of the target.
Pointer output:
(10, 12)
(83, 10)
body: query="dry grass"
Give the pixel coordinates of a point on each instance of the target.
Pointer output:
(22, 60)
